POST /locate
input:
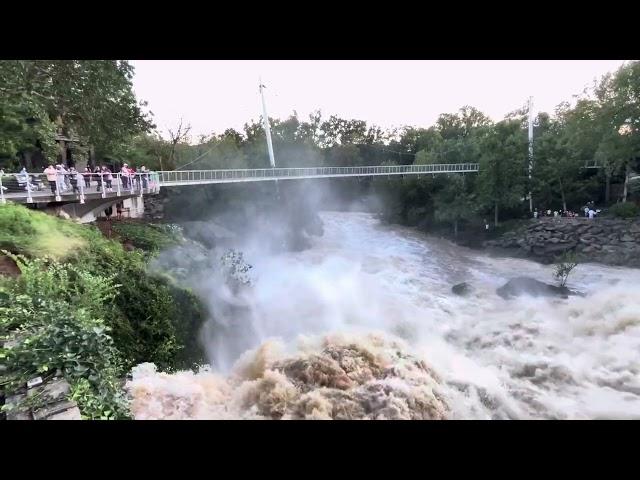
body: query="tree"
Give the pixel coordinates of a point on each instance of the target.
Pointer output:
(178, 135)
(90, 99)
(501, 176)
(563, 269)
(454, 203)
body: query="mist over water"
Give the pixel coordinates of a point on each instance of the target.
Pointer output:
(363, 324)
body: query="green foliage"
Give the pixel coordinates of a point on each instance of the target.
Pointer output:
(563, 269)
(33, 233)
(90, 99)
(55, 314)
(149, 237)
(151, 319)
(624, 210)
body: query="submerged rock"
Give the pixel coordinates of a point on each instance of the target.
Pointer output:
(462, 289)
(530, 286)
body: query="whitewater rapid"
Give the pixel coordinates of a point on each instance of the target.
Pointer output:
(384, 292)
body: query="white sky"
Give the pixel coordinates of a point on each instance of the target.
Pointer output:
(214, 95)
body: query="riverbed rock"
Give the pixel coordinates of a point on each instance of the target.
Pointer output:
(462, 289)
(530, 286)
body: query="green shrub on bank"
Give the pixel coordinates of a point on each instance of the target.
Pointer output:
(147, 318)
(148, 237)
(55, 315)
(624, 210)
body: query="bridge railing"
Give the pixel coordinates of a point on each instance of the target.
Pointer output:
(70, 186)
(212, 176)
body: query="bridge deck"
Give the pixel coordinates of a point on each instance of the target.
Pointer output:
(202, 177)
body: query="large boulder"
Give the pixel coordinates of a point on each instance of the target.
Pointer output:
(530, 286)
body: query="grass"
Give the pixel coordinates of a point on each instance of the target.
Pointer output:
(34, 233)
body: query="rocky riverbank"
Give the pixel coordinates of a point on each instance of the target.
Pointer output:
(603, 240)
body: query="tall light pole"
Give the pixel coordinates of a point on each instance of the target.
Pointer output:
(267, 128)
(530, 150)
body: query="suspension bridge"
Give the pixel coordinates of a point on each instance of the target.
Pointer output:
(16, 187)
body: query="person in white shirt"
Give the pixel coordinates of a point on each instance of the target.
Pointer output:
(591, 214)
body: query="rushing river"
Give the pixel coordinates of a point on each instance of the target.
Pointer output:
(376, 300)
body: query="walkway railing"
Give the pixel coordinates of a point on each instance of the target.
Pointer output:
(29, 187)
(195, 177)
(68, 186)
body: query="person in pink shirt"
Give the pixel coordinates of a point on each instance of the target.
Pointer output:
(124, 171)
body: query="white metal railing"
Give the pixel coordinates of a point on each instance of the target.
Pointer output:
(194, 177)
(75, 186)
(71, 186)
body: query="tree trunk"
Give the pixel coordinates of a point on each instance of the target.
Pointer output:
(495, 215)
(626, 184)
(455, 228)
(63, 152)
(607, 188)
(28, 164)
(92, 157)
(564, 201)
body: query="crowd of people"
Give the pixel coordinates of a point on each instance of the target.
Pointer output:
(589, 211)
(62, 179)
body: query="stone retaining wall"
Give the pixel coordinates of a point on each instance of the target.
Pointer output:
(604, 240)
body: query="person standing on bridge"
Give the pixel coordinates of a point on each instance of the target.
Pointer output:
(98, 174)
(73, 179)
(108, 178)
(60, 178)
(52, 177)
(87, 177)
(124, 173)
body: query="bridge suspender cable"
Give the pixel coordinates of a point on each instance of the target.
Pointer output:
(196, 159)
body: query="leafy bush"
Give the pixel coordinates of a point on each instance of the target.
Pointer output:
(149, 237)
(55, 315)
(148, 318)
(624, 210)
(565, 267)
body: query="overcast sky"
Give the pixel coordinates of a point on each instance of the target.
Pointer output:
(215, 95)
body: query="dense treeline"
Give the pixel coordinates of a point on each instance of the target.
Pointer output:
(600, 128)
(93, 100)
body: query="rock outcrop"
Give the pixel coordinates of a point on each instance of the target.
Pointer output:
(530, 286)
(602, 240)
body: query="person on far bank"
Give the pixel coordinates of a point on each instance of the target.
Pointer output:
(592, 214)
(52, 177)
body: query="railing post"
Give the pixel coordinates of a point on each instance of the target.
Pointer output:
(58, 187)
(29, 197)
(2, 199)
(118, 180)
(82, 190)
(104, 189)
